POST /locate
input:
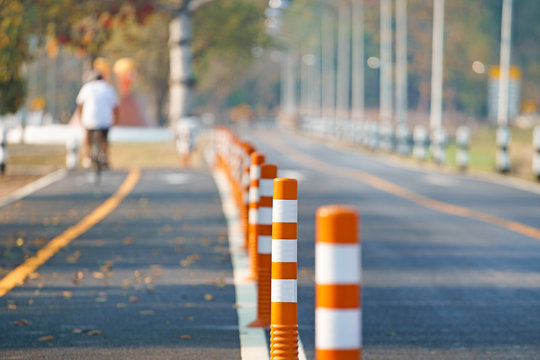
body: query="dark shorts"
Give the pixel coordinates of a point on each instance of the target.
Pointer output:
(102, 132)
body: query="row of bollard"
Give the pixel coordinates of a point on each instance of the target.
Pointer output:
(271, 230)
(372, 135)
(419, 144)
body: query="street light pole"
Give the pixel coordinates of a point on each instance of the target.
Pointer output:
(358, 59)
(401, 62)
(386, 63)
(344, 46)
(435, 118)
(503, 133)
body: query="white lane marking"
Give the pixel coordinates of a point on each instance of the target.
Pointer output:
(439, 180)
(252, 340)
(175, 179)
(33, 187)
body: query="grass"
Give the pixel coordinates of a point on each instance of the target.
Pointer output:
(482, 151)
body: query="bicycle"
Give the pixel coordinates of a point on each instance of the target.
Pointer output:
(97, 155)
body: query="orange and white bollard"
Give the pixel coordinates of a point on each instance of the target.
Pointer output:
(284, 311)
(257, 159)
(338, 300)
(264, 245)
(244, 210)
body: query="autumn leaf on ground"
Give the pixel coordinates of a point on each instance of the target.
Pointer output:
(134, 299)
(46, 338)
(185, 337)
(98, 275)
(67, 294)
(128, 241)
(74, 257)
(94, 332)
(21, 322)
(208, 297)
(147, 312)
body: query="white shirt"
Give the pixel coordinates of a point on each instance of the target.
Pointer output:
(99, 100)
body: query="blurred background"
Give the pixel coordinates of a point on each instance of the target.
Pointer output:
(260, 59)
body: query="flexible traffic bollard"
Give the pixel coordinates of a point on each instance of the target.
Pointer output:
(536, 155)
(284, 316)
(338, 300)
(421, 142)
(244, 210)
(257, 159)
(503, 142)
(3, 151)
(264, 245)
(438, 144)
(463, 141)
(72, 147)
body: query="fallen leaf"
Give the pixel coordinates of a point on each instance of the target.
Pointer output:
(205, 242)
(30, 301)
(128, 241)
(98, 275)
(94, 332)
(78, 331)
(189, 318)
(21, 322)
(185, 337)
(12, 307)
(147, 312)
(46, 338)
(126, 285)
(34, 275)
(100, 299)
(134, 299)
(208, 297)
(121, 305)
(20, 242)
(67, 294)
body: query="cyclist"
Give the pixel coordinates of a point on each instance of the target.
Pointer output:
(97, 104)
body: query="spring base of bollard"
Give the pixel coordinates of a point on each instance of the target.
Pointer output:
(283, 342)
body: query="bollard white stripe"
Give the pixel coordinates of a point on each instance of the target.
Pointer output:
(284, 250)
(264, 244)
(285, 211)
(266, 187)
(265, 216)
(253, 194)
(253, 216)
(255, 172)
(337, 263)
(283, 290)
(338, 329)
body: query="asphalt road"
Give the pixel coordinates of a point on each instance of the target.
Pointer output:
(151, 281)
(435, 285)
(451, 264)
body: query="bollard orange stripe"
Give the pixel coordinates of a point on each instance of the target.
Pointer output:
(284, 230)
(285, 189)
(265, 201)
(268, 171)
(338, 296)
(284, 270)
(336, 224)
(284, 313)
(253, 205)
(265, 229)
(353, 354)
(257, 158)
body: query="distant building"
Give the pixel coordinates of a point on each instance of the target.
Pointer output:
(514, 93)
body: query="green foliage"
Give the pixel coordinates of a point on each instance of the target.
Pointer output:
(225, 32)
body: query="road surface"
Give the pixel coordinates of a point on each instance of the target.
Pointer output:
(451, 264)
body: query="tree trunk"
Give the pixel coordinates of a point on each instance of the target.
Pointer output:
(181, 75)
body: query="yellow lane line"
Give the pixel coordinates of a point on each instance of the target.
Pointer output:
(391, 188)
(17, 275)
